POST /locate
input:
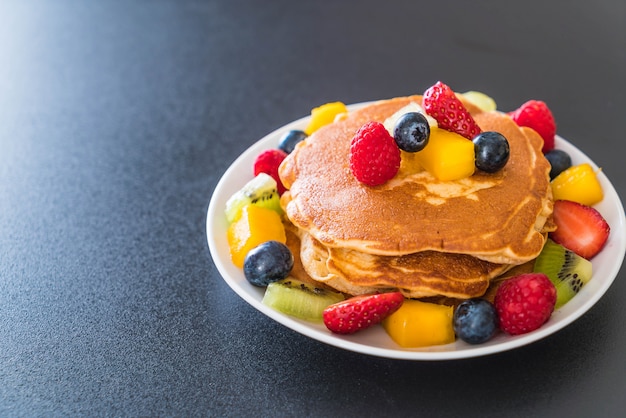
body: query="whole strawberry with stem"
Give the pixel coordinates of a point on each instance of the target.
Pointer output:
(524, 302)
(537, 115)
(440, 102)
(361, 312)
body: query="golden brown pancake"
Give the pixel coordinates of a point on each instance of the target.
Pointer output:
(298, 271)
(464, 276)
(417, 275)
(497, 217)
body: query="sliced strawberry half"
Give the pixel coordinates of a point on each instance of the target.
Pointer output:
(580, 228)
(361, 312)
(440, 102)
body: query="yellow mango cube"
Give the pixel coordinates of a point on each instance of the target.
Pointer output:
(409, 164)
(323, 115)
(254, 225)
(420, 324)
(578, 183)
(447, 156)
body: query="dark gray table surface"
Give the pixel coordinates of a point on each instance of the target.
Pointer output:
(117, 119)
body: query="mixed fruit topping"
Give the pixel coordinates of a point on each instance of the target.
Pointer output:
(436, 134)
(442, 138)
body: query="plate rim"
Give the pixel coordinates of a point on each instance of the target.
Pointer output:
(320, 333)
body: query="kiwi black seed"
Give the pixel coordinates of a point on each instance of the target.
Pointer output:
(568, 271)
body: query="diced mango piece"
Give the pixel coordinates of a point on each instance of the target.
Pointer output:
(253, 226)
(420, 324)
(578, 183)
(447, 156)
(409, 163)
(323, 115)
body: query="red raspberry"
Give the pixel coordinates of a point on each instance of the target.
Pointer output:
(535, 114)
(374, 155)
(525, 302)
(441, 103)
(268, 162)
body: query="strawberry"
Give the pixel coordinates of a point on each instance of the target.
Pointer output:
(579, 228)
(535, 114)
(360, 312)
(524, 302)
(374, 155)
(440, 102)
(268, 162)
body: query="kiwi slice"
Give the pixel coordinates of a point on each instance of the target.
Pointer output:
(262, 190)
(568, 271)
(297, 298)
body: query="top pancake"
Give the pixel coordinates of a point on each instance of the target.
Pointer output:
(496, 217)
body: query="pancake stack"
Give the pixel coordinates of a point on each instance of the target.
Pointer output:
(415, 234)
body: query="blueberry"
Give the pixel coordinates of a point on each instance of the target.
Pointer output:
(475, 320)
(411, 132)
(268, 262)
(491, 150)
(559, 161)
(290, 139)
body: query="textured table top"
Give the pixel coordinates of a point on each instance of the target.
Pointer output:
(117, 119)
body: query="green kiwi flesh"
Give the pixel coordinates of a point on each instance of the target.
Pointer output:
(568, 271)
(299, 299)
(262, 190)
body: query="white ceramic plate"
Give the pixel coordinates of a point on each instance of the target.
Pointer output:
(375, 341)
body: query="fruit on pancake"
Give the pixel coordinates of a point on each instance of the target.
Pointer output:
(480, 99)
(323, 115)
(290, 139)
(268, 162)
(420, 324)
(299, 299)
(321, 160)
(361, 312)
(416, 212)
(267, 262)
(448, 155)
(253, 226)
(579, 228)
(491, 151)
(524, 302)
(568, 271)
(441, 103)
(411, 107)
(559, 161)
(475, 320)
(261, 191)
(535, 114)
(374, 155)
(578, 183)
(411, 132)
